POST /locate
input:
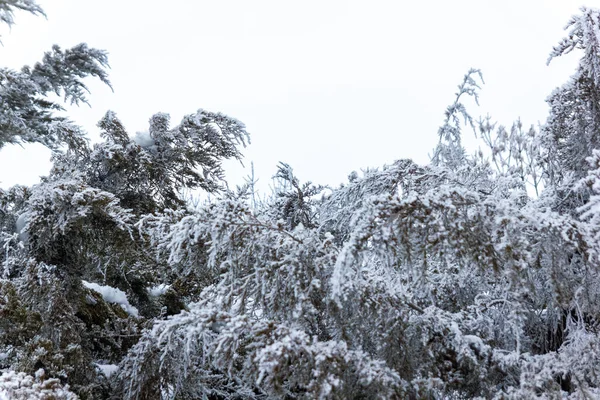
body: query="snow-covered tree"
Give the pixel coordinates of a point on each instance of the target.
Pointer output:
(474, 276)
(571, 132)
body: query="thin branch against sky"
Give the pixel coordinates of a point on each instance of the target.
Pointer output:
(328, 87)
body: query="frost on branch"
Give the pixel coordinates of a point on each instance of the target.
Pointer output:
(571, 131)
(150, 178)
(583, 34)
(26, 114)
(295, 202)
(8, 8)
(20, 386)
(262, 267)
(58, 209)
(449, 151)
(206, 352)
(443, 281)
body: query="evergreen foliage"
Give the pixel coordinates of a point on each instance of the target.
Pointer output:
(475, 276)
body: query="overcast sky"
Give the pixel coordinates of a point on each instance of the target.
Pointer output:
(327, 86)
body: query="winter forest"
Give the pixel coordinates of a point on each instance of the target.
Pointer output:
(474, 276)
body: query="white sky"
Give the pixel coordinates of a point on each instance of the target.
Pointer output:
(328, 86)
